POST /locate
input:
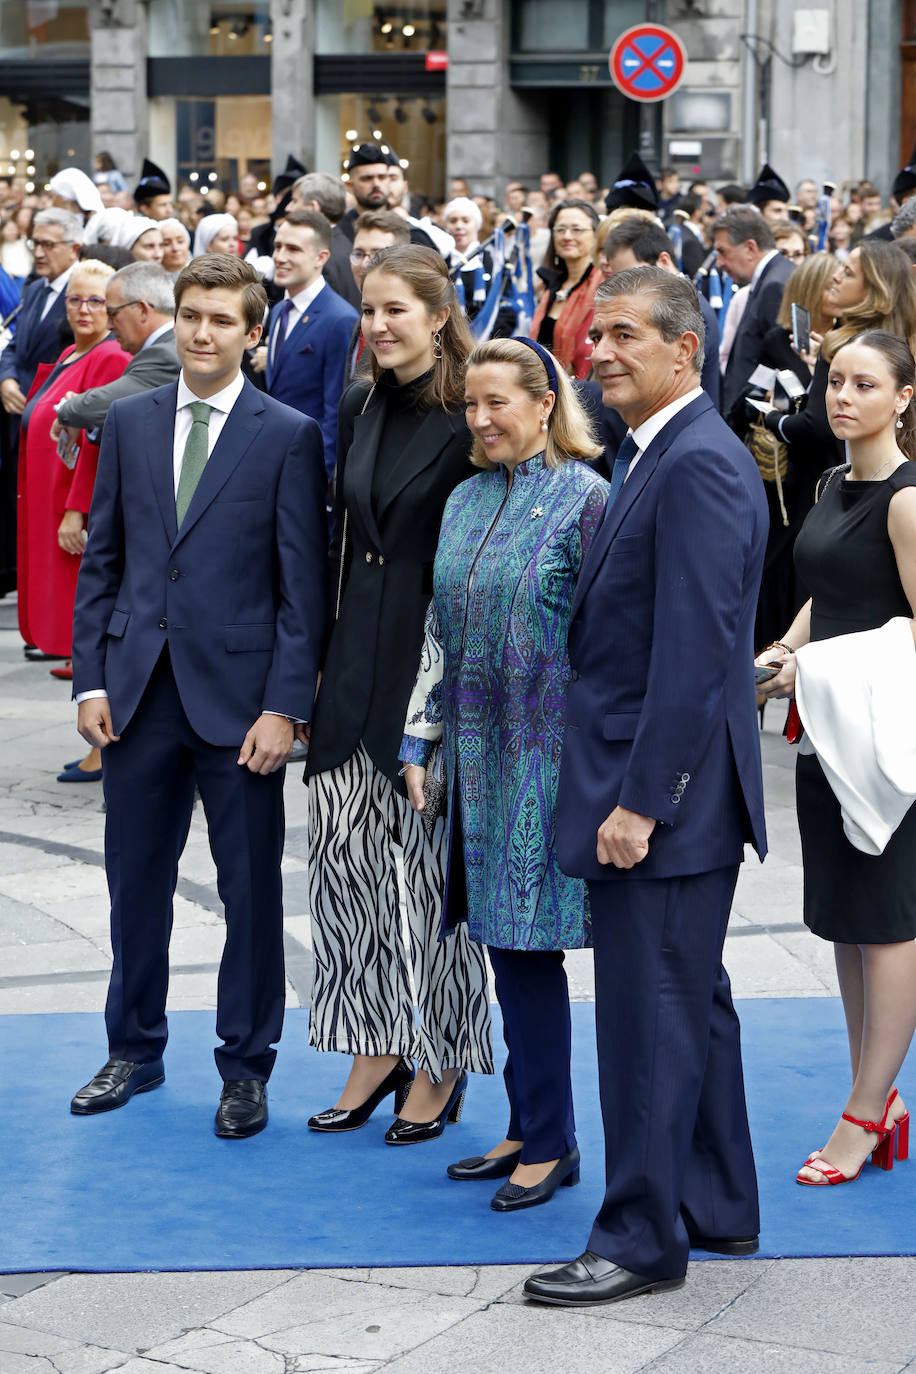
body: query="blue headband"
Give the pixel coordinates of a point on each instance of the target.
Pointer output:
(546, 359)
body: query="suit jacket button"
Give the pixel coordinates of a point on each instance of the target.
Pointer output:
(174, 575)
(381, 561)
(163, 624)
(574, 674)
(368, 557)
(675, 799)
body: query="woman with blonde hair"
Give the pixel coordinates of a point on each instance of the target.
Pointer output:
(492, 686)
(403, 446)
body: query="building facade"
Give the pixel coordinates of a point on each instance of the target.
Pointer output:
(485, 89)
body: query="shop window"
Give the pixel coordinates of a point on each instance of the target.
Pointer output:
(364, 26)
(220, 28)
(412, 125)
(55, 28)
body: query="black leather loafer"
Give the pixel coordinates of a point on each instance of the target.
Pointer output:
(589, 1280)
(479, 1166)
(242, 1108)
(402, 1132)
(398, 1081)
(512, 1197)
(725, 1245)
(114, 1084)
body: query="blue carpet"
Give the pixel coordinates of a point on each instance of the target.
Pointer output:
(150, 1187)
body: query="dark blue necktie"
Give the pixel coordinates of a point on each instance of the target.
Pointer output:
(283, 315)
(625, 455)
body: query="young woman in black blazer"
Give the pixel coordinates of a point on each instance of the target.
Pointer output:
(403, 446)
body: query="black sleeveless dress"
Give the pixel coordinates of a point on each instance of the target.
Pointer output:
(844, 554)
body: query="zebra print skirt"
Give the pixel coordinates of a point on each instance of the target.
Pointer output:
(384, 983)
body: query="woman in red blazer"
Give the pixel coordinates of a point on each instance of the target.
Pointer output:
(564, 314)
(55, 490)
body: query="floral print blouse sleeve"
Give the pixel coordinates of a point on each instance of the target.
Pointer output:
(423, 728)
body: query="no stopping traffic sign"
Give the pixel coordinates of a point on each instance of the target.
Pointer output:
(647, 62)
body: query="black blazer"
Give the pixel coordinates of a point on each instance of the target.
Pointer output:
(374, 650)
(759, 317)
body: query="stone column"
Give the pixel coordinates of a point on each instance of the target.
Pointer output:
(493, 134)
(119, 107)
(292, 89)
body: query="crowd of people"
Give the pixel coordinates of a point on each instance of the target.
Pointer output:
(442, 498)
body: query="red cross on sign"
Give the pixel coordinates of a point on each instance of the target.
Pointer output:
(647, 62)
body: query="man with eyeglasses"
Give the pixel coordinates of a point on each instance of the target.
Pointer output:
(39, 337)
(141, 310)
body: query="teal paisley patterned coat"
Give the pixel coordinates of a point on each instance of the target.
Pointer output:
(493, 684)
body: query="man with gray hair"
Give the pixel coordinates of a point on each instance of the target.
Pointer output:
(319, 191)
(903, 225)
(141, 315)
(660, 787)
(41, 334)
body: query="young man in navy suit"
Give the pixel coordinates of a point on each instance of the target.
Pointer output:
(310, 330)
(197, 629)
(660, 787)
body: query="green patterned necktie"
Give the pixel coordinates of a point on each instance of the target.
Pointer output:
(195, 457)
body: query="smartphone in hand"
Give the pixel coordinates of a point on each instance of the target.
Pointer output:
(801, 329)
(764, 671)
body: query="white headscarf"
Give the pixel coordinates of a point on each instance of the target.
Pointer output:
(133, 228)
(72, 184)
(104, 226)
(463, 205)
(207, 230)
(173, 221)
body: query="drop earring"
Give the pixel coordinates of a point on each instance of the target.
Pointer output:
(437, 345)
(899, 424)
(544, 425)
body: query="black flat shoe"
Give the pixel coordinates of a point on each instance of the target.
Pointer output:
(725, 1245)
(242, 1109)
(479, 1166)
(402, 1132)
(114, 1084)
(398, 1082)
(512, 1197)
(589, 1280)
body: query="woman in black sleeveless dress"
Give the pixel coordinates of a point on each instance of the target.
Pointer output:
(857, 552)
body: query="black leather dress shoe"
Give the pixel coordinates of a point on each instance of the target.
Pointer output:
(725, 1245)
(398, 1081)
(402, 1132)
(591, 1279)
(114, 1084)
(242, 1109)
(479, 1166)
(512, 1197)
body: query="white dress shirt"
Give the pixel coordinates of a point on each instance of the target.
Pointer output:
(300, 303)
(760, 268)
(54, 289)
(644, 434)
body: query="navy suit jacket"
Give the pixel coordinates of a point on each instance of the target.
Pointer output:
(661, 714)
(36, 340)
(308, 371)
(238, 594)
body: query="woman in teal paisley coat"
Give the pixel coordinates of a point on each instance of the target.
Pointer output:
(492, 685)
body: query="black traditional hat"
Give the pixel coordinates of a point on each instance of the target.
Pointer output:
(634, 188)
(368, 155)
(905, 180)
(291, 173)
(768, 186)
(153, 182)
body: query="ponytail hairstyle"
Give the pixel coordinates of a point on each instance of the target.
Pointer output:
(902, 367)
(569, 429)
(424, 272)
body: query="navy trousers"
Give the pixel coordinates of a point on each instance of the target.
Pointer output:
(149, 777)
(678, 1147)
(534, 1001)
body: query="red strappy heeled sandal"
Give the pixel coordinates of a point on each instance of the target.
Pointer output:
(900, 1130)
(882, 1156)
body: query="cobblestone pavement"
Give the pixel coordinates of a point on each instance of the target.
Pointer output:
(768, 1316)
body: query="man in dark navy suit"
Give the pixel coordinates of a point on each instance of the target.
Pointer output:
(306, 350)
(660, 787)
(198, 624)
(41, 334)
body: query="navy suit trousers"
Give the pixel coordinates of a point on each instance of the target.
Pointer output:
(149, 777)
(677, 1142)
(534, 1001)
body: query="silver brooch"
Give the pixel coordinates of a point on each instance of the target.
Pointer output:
(537, 512)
